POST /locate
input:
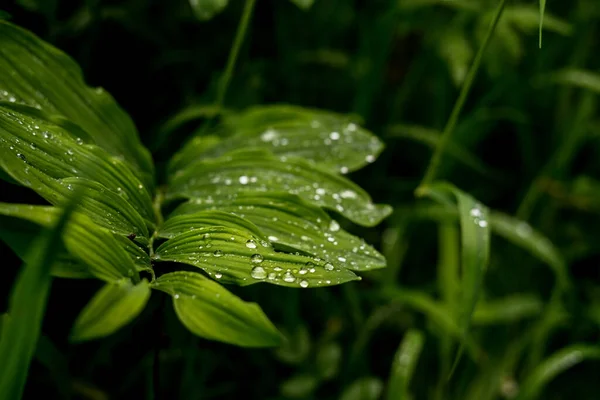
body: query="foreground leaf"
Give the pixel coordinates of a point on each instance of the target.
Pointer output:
(289, 223)
(221, 180)
(560, 361)
(41, 76)
(87, 243)
(114, 306)
(403, 367)
(27, 305)
(236, 256)
(331, 140)
(210, 311)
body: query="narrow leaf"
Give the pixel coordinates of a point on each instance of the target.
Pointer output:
(206, 9)
(367, 388)
(210, 311)
(303, 4)
(580, 78)
(563, 359)
(542, 11)
(507, 310)
(114, 306)
(403, 366)
(236, 256)
(41, 76)
(27, 305)
(221, 180)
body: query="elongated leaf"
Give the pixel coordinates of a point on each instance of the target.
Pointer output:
(41, 76)
(573, 77)
(210, 311)
(542, 11)
(289, 223)
(403, 366)
(86, 242)
(527, 18)
(367, 388)
(331, 140)
(437, 313)
(507, 310)
(256, 171)
(236, 256)
(456, 50)
(303, 4)
(475, 246)
(558, 362)
(114, 306)
(299, 386)
(26, 309)
(48, 159)
(206, 9)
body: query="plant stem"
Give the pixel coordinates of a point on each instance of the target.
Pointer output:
(434, 164)
(233, 54)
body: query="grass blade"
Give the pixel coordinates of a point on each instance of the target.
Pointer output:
(404, 364)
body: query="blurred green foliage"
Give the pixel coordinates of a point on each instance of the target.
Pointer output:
(525, 145)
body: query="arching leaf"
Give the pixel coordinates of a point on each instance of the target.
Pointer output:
(210, 311)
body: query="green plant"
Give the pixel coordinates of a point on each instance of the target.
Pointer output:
(248, 196)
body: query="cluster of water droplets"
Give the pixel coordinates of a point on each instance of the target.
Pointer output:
(478, 216)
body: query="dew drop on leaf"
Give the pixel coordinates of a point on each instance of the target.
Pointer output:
(256, 258)
(258, 273)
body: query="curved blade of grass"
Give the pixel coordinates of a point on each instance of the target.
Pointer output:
(288, 222)
(236, 256)
(507, 310)
(257, 171)
(111, 308)
(563, 359)
(27, 305)
(475, 245)
(210, 311)
(331, 140)
(542, 11)
(403, 366)
(41, 76)
(580, 78)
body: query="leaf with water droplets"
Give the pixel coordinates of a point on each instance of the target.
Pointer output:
(403, 366)
(475, 243)
(86, 242)
(331, 140)
(46, 158)
(37, 74)
(236, 256)
(563, 359)
(210, 311)
(258, 171)
(111, 308)
(291, 223)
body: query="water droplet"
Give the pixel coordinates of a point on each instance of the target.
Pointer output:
(269, 135)
(273, 238)
(175, 296)
(217, 253)
(206, 236)
(370, 158)
(244, 179)
(258, 273)
(288, 277)
(334, 226)
(304, 283)
(33, 146)
(251, 244)
(272, 276)
(320, 191)
(218, 275)
(482, 223)
(256, 258)
(328, 266)
(79, 140)
(341, 259)
(140, 186)
(476, 212)
(47, 135)
(344, 170)
(334, 135)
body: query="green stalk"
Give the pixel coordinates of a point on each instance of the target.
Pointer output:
(233, 54)
(434, 164)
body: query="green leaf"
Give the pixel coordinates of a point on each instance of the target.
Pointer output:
(475, 243)
(50, 160)
(86, 242)
(527, 18)
(236, 256)
(288, 222)
(39, 75)
(367, 388)
(456, 50)
(328, 359)
(303, 4)
(507, 310)
(563, 359)
(299, 386)
(403, 366)
(542, 11)
(206, 9)
(257, 171)
(114, 306)
(210, 311)
(580, 78)
(331, 140)
(27, 305)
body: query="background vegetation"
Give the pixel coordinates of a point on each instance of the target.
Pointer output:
(526, 145)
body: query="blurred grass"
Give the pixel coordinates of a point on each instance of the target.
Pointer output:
(525, 144)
